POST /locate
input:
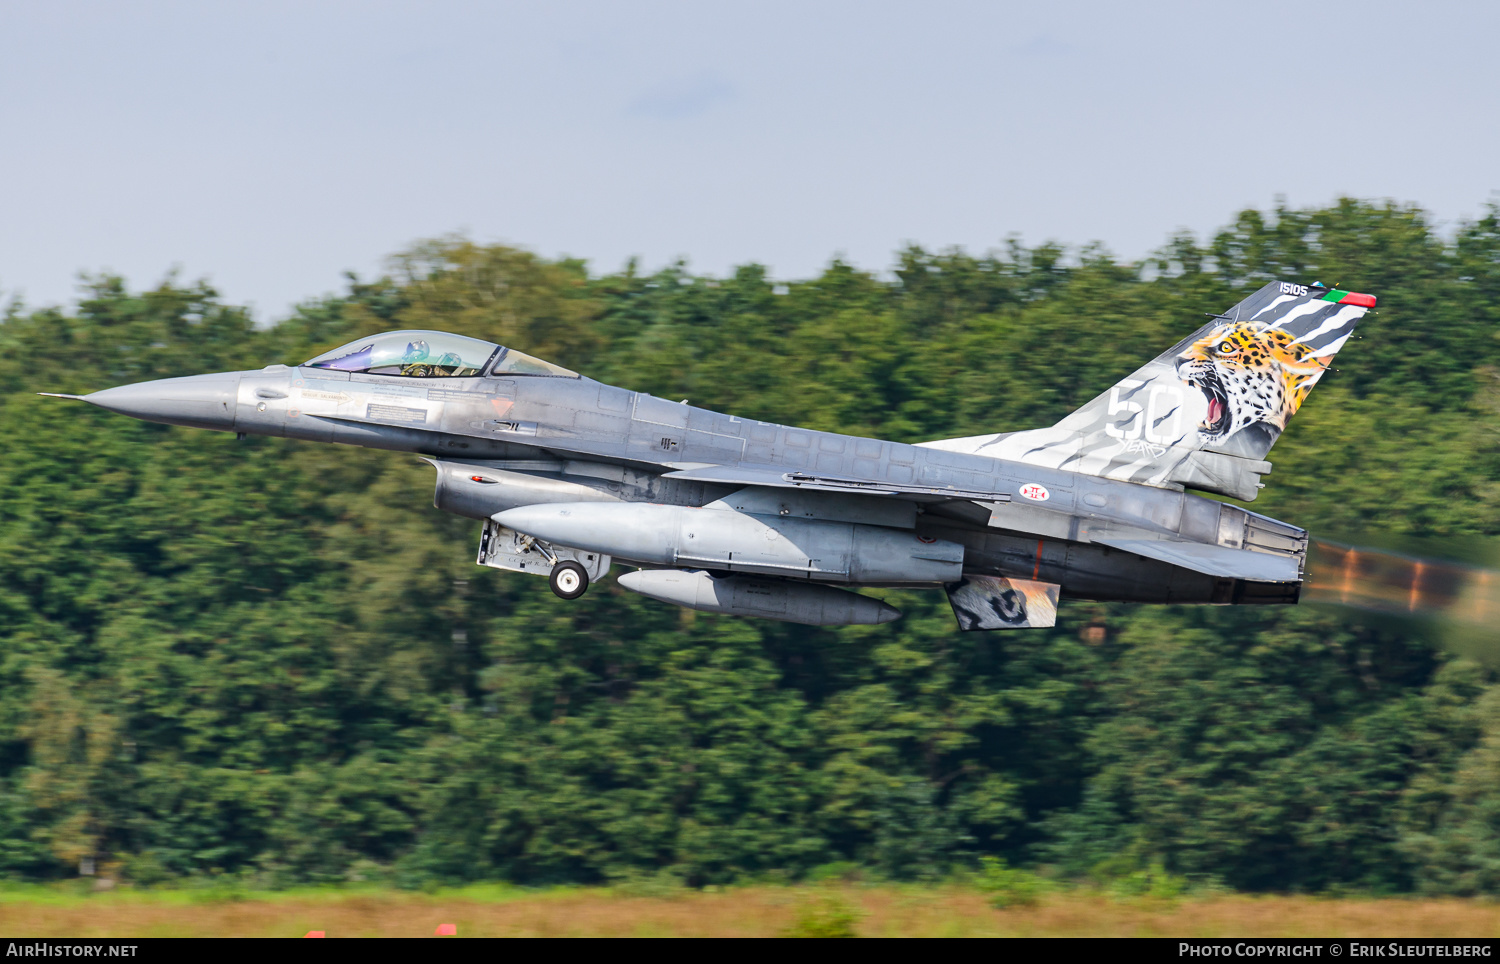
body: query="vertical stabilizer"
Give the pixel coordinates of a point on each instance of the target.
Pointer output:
(1206, 412)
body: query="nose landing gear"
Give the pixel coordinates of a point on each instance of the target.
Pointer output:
(569, 580)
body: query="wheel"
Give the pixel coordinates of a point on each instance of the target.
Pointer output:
(569, 580)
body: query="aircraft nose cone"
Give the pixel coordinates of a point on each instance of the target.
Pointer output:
(197, 401)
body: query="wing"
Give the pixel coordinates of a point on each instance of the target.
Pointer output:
(780, 478)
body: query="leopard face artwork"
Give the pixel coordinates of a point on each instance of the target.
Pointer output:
(1249, 374)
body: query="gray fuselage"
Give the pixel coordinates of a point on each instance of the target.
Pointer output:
(503, 442)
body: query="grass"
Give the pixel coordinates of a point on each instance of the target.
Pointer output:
(867, 911)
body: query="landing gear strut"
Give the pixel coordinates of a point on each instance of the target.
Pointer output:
(569, 580)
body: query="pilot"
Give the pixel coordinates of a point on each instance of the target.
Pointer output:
(414, 360)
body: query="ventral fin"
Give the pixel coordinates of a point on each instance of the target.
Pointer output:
(999, 602)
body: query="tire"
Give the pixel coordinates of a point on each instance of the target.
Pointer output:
(569, 580)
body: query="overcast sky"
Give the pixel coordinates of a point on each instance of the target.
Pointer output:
(270, 147)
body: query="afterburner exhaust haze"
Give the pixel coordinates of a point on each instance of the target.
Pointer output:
(1391, 583)
(1461, 602)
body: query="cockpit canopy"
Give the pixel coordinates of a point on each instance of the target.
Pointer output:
(432, 354)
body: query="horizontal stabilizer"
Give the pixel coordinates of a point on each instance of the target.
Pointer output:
(1213, 560)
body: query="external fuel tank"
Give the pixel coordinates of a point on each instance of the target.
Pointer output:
(792, 602)
(729, 541)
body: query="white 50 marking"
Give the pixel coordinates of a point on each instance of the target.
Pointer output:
(1035, 492)
(1117, 405)
(1164, 402)
(1164, 405)
(1290, 289)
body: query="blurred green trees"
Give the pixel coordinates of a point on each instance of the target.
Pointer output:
(276, 659)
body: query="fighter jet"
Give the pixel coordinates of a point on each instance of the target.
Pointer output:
(731, 515)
